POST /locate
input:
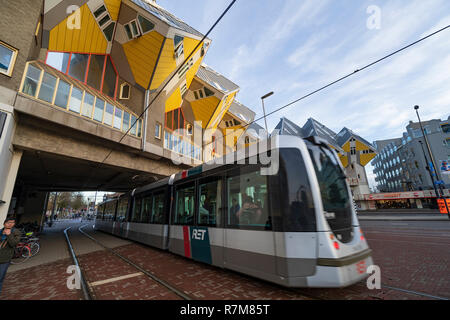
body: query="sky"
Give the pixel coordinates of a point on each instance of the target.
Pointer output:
(293, 47)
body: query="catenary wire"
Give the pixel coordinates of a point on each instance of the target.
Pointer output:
(342, 78)
(164, 86)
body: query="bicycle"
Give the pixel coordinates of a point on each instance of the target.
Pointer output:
(22, 253)
(32, 243)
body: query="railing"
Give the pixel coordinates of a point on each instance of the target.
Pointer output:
(353, 181)
(178, 144)
(54, 88)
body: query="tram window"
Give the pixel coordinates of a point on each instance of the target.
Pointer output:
(333, 189)
(122, 210)
(158, 208)
(210, 203)
(146, 209)
(184, 212)
(110, 211)
(292, 204)
(247, 201)
(100, 212)
(136, 215)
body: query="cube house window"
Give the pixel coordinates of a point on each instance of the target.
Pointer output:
(7, 58)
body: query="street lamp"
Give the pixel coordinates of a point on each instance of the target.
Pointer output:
(264, 110)
(428, 168)
(433, 163)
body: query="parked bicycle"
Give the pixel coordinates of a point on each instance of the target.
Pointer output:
(32, 242)
(22, 253)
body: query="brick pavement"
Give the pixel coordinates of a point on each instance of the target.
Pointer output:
(102, 265)
(43, 282)
(202, 281)
(417, 262)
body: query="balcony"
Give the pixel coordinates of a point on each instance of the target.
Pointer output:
(181, 145)
(353, 182)
(58, 90)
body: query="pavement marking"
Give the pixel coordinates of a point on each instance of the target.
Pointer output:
(98, 283)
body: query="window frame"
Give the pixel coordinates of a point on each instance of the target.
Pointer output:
(84, 92)
(181, 186)
(121, 91)
(138, 29)
(107, 23)
(201, 181)
(88, 67)
(158, 124)
(140, 26)
(12, 62)
(237, 172)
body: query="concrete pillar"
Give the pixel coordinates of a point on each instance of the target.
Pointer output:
(9, 184)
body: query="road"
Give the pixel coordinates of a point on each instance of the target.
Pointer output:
(413, 257)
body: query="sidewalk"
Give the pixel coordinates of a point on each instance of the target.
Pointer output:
(403, 215)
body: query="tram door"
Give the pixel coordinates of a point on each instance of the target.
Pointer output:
(207, 237)
(249, 239)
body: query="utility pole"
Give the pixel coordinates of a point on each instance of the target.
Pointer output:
(433, 163)
(53, 209)
(264, 111)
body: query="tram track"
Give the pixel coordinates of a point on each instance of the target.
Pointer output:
(89, 293)
(86, 286)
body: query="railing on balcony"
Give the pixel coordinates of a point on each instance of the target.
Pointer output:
(52, 87)
(353, 181)
(182, 146)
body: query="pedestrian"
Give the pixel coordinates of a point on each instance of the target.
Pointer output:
(10, 237)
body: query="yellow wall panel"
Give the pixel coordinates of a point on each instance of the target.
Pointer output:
(189, 45)
(364, 159)
(190, 74)
(361, 146)
(204, 108)
(166, 64)
(113, 7)
(174, 101)
(344, 161)
(142, 54)
(346, 147)
(220, 112)
(89, 38)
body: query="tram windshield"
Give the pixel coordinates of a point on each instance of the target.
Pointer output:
(334, 192)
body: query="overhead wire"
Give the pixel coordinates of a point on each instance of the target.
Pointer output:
(164, 86)
(343, 78)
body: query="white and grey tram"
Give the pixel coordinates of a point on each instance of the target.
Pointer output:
(297, 228)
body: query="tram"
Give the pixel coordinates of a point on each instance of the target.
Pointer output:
(297, 227)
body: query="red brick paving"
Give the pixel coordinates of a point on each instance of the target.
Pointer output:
(102, 265)
(43, 282)
(414, 262)
(201, 281)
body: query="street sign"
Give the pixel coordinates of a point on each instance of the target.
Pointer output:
(439, 182)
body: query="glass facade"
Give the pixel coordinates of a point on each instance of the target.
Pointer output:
(47, 88)
(87, 68)
(44, 86)
(177, 144)
(62, 94)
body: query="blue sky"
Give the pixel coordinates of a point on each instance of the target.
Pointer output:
(295, 46)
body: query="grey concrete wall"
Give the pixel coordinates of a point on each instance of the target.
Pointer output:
(32, 207)
(6, 147)
(19, 19)
(60, 141)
